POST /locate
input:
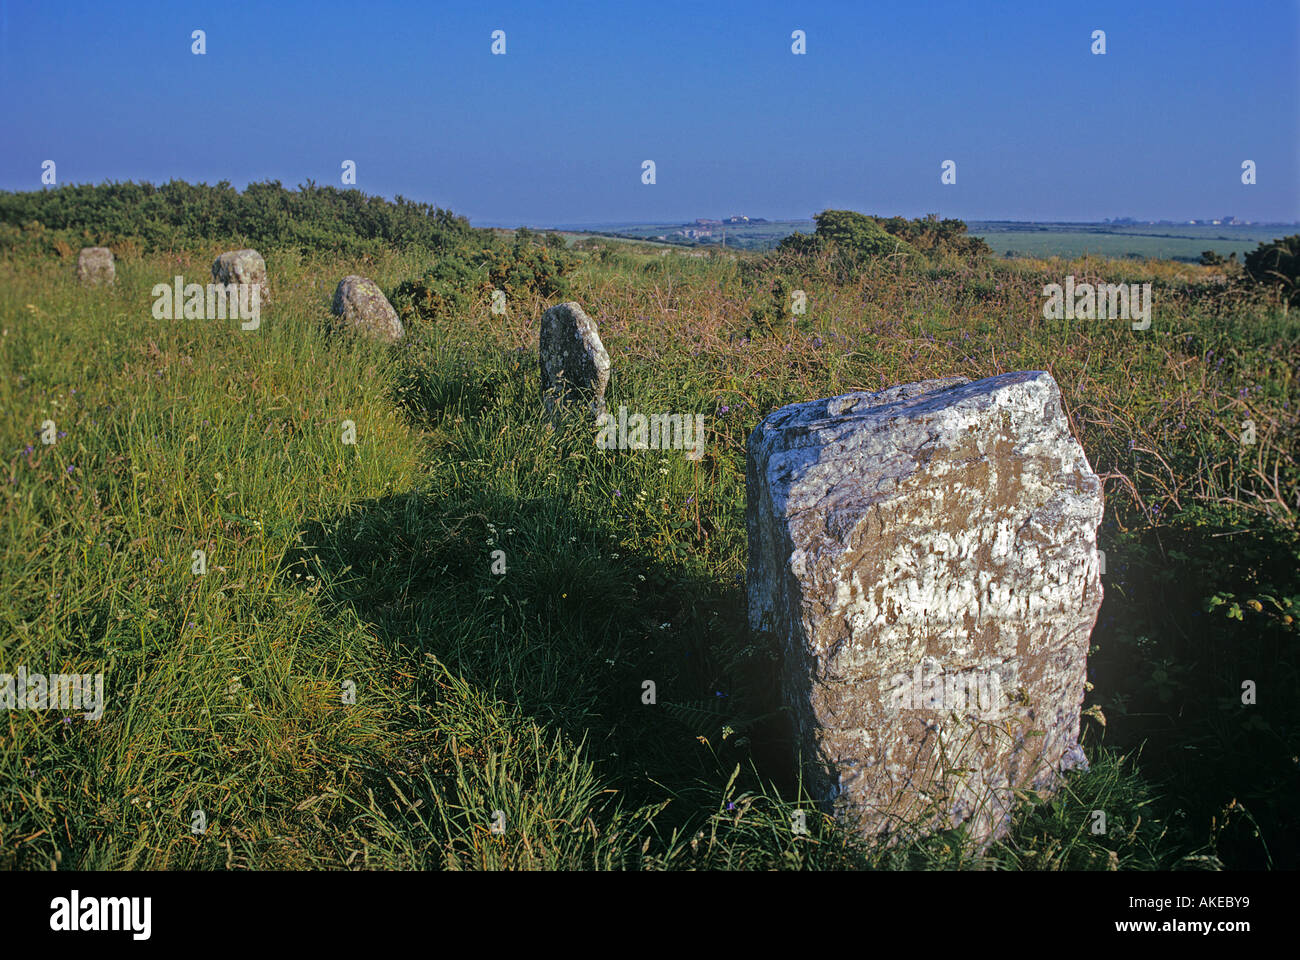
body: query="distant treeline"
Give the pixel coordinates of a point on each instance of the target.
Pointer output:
(180, 215)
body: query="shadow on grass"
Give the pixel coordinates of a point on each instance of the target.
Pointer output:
(1191, 615)
(574, 635)
(573, 627)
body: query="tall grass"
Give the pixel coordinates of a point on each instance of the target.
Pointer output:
(498, 720)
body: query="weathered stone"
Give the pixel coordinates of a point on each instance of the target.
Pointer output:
(939, 528)
(95, 265)
(242, 266)
(574, 364)
(364, 308)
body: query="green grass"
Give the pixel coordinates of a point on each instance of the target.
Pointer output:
(370, 565)
(1136, 242)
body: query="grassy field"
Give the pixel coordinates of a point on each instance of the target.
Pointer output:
(1135, 241)
(367, 567)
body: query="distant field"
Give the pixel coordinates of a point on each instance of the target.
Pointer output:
(754, 236)
(1151, 241)
(1138, 241)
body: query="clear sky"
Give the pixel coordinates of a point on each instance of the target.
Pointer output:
(555, 131)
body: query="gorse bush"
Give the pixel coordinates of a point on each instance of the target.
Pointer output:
(180, 215)
(850, 239)
(1276, 265)
(526, 270)
(936, 237)
(446, 289)
(850, 235)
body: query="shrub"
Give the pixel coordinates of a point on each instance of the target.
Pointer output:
(846, 232)
(1276, 265)
(936, 237)
(447, 288)
(857, 237)
(199, 216)
(525, 270)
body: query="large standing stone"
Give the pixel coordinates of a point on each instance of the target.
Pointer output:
(575, 366)
(242, 266)
(95, 265)
(365, 309)
(926, 557)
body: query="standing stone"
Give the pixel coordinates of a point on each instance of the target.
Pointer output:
(364, 308)
(242, 266)
(926, 557)
(95, 265)
(575, 366)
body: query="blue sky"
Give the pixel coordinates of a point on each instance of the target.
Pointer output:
(556, 130)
